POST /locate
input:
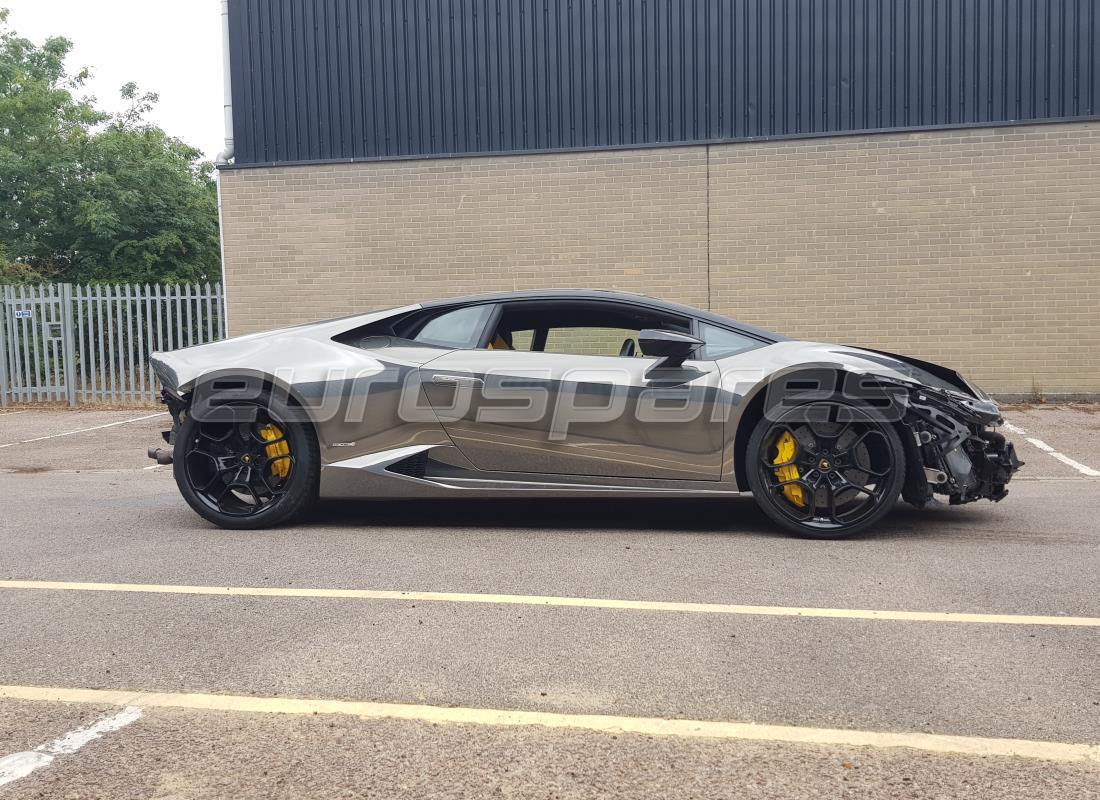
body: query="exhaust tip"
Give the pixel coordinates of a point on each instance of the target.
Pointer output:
(160, 455)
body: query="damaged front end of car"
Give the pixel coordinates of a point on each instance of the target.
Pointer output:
(952, 446)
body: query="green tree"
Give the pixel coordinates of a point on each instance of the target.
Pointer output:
(88, 196)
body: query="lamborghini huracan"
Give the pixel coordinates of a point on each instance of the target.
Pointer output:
(570, 394)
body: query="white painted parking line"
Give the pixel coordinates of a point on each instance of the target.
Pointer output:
(123, 471)
(1050, 451)
(1051, 479)
(570, 602)
(644, 726)
(12, 413)
(1077, 465)
(20, 765)
(84, 430)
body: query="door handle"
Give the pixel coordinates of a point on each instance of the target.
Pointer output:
(455, 380)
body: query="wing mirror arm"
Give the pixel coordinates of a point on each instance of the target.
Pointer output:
(671, 347)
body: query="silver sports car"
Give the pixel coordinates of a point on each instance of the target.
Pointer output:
(570, 394)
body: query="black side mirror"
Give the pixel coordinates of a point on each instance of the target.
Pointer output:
(673, 347)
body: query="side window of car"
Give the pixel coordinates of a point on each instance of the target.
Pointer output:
(592, 341)
(580, 327)
(460, 329)
(720, 342)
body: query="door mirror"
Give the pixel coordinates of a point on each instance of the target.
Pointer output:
(673, 347)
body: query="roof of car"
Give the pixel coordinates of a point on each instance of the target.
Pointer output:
(607, 294)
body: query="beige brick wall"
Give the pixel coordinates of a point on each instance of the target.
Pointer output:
(313, 242)
(979, 248)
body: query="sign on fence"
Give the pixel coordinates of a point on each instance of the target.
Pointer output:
(64, 342)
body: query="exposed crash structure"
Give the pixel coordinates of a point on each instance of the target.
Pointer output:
(961, 457)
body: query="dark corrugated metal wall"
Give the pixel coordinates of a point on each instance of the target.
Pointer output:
(317, 80)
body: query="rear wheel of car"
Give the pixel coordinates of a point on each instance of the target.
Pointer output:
(826, 469)
(257, 470)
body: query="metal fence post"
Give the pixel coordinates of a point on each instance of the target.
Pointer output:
(67, 339)
(4, 385)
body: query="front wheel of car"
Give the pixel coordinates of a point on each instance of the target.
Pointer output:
(827, 469)
(255, 464)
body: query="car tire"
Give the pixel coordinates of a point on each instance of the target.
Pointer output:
(799, 486)
(193, 466)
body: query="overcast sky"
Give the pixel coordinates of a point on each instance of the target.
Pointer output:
(171, 47)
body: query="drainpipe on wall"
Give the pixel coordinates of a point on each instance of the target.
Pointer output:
(226, 154)
(227, 89)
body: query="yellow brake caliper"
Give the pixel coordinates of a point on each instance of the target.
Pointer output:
(280, 468)
(786, 448)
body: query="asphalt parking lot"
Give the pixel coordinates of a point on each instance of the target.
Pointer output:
(741, 662)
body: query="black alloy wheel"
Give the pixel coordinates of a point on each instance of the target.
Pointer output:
(253, 472)
(827, 469)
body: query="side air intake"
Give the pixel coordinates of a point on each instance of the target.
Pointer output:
(413, 467)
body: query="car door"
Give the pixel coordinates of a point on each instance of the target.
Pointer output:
(510, 408)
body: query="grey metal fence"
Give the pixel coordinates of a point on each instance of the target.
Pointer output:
(80, 344)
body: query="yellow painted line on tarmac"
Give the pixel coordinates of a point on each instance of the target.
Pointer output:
(645, 726)
(569, 602)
